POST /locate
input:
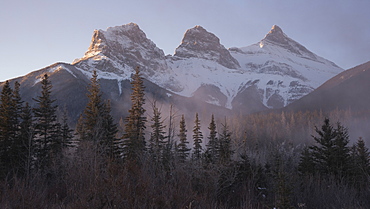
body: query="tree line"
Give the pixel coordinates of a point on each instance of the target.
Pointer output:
(96, 166)
(31, 139)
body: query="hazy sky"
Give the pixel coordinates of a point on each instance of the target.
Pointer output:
(37, 33)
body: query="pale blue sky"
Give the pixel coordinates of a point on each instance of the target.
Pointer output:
(37, 33)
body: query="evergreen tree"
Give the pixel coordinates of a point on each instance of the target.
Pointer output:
(90, 125)
(66, 133)
(213, 144)
(96, 124)
(323, 151)
(341, 151)
(225, 151)
(157, 137)
(197, 137)
(283, 191)
(7, 124)
(26, 140)
(22, 124)
(134, 136)
(18, 106)
(182, 147)
(330, 154)
(80, 129)
(360, 157)
(306, 163)
(110, 142)
(46, 126)
(168, 153)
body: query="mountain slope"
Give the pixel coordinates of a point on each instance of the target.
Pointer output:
(202, 75)
(348, 90)
(70, 92)
(272, 73)
(283, 69)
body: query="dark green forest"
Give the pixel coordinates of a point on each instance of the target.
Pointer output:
(263, 160)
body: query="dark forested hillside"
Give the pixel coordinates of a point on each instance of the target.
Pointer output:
(310, 159)
(348, 90)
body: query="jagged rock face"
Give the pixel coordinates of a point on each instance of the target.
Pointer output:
(248, 100)
(285, 69)
(276, 36)
(210, 94)
(280, 69)
(199, 43)
(269, 74)
(121, 49)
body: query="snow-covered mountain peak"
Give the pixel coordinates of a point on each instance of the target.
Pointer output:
(286, 69)
(121, 49)
(199, 43)
(271, 73)
(126, 33)
(276, 35)
(277, 38)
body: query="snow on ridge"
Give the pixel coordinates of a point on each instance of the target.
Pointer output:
(308, 73)
(272, 68)
(61, 67)
(184, 76)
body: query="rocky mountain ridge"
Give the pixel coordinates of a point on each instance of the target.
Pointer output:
(275, 71)
(269, 74)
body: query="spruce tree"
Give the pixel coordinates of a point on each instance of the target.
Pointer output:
(7, 124)
(157, 137)
(283, 191)
(182, 147)
(197, 137)
(22, 124)
(134, 136)
(66, 133)
(360, 158)
(213, 144)
(46, 126)
(18, 106)
(168, 153)
(91, 120)
(341, 152)
(96, 125)
(322, 152)
(306, 164)
(330, 154)
(109, 143)
(80, 129)
(26, 137)
(225, 151)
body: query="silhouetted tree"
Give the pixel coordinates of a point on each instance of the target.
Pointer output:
(134, 136)
(225, 151)
(7, 125)
(330, 154)
(182, 147)
(157, 136)
(306, 163)
(96, 124)
(90, 125)
(46, 126)
(110, 143)
(360, 158)
(26, 138)
(66, 134)
(197, 137)
(212, 152)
